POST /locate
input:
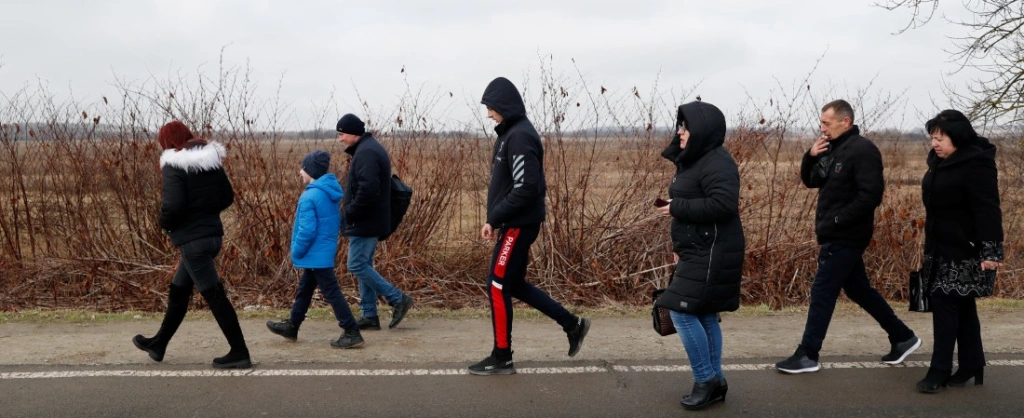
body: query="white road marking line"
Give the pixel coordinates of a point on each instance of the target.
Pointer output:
(441, 372)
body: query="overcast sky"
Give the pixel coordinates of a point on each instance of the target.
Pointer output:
(731, 47)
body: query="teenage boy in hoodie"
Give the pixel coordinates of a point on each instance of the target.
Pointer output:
(515, 211)
(314, 245)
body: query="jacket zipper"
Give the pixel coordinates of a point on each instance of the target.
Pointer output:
(711, 254)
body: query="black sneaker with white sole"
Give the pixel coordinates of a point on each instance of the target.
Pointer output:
(900, 351)
(798, 363)
(492, 366)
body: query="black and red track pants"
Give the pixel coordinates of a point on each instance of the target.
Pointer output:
(507, 279)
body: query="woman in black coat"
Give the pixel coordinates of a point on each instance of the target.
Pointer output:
(707, 242)
(195, 190)
(963, 244)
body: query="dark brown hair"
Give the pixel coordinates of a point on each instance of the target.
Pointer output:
(841, 108)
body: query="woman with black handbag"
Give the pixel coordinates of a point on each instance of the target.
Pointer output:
(708, 242)
(963, 245)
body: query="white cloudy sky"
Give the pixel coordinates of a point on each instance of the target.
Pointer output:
(733, 47)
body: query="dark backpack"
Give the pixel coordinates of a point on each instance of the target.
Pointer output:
(401, 197)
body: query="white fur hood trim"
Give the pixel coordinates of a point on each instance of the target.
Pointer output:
(203, 158)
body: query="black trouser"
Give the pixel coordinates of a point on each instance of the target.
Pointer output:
(507, 279)
(842, 268)
(955, 322)
(328, 283)
(197, 267)
(196, 264)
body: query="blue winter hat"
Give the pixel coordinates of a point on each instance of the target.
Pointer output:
(316, 163)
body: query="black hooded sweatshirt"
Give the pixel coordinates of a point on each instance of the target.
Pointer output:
(706, 231)
(850, 182)
(515, 197)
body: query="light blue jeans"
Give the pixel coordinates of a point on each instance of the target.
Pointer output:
(371, 284)
(702, 339)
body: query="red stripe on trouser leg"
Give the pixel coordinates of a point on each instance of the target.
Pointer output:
(500, 316)
(508, 243)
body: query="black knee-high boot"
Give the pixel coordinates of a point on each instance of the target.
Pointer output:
(177, 306)
(227, 319)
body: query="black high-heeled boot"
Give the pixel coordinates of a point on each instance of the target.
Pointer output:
(703, 394)
(723, 388)
(960, 378)
(934, 381)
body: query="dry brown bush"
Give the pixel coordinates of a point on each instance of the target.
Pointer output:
(80, 194)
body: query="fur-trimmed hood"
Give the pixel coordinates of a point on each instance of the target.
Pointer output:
(197, 158)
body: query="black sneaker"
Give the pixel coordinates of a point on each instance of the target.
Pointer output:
(798, 363)
(351, 338)
(369, 322)
(284, 329)
(401, 308)
(576, 336)
(900, 351)
(491, 365)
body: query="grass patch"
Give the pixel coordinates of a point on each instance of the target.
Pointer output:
(62, 316)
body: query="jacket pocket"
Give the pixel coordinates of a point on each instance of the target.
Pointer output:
(706, 234)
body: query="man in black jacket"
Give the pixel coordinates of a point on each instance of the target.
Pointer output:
(366, 216)
(847, 170)
(515, 210)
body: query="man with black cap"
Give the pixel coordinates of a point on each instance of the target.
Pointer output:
(366, 213)
(515, 211)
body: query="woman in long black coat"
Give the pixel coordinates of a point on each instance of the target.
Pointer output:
(963, 244)
(708, 243)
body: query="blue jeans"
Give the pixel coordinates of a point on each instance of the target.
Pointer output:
(328, 283)
(371, 284)
(702, 339)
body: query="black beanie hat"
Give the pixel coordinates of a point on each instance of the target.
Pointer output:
(316, 164)
(350, 124)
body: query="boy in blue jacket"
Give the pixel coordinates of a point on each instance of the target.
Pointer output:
(314, 244)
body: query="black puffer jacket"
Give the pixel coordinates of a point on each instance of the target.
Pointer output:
(706, 230)
(367, 201)
(849, 176)
(516, 194)
(195, 190)
(963, 224)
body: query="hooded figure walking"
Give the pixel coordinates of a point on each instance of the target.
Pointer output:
(707, 243)
(515, 211)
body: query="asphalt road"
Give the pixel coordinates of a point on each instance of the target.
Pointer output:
(590, 389)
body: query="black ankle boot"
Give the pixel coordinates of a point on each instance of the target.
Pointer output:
(962, 375)
(284, 328)
(351, 338)
(227, 319)
(703, 394)
(177, 306)
(934, 381)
